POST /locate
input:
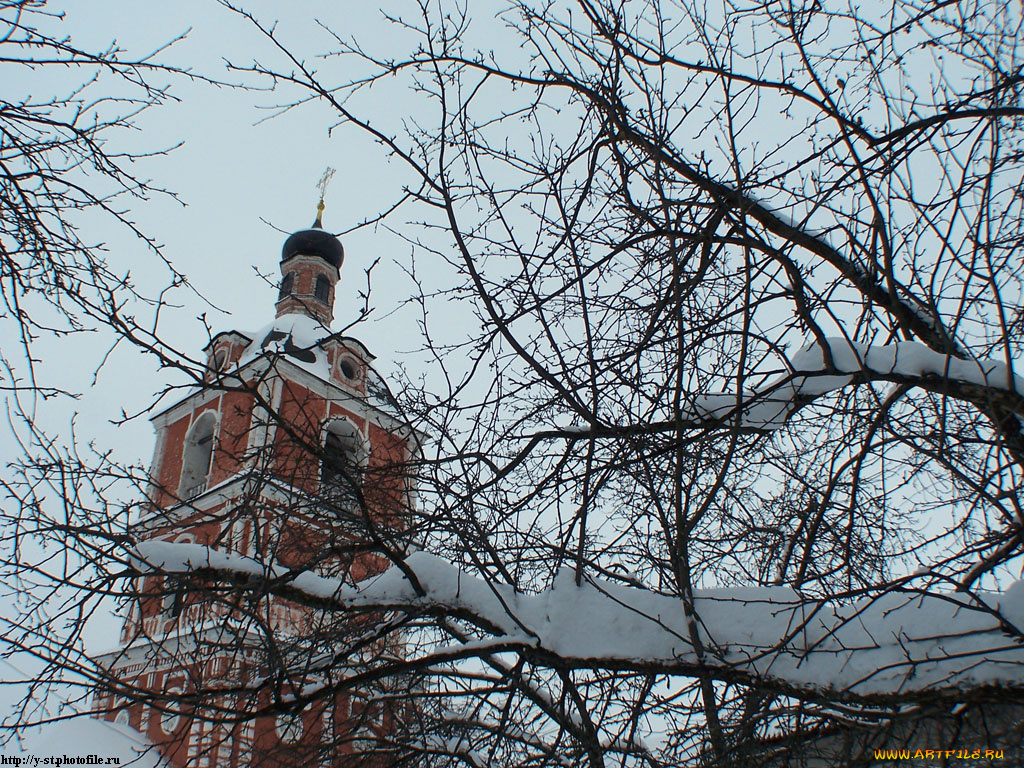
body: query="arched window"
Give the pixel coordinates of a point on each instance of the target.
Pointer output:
(216, 362)
(195, 465)
(343, 460)
(171, 718)
(363, 740)
(289, 728)
(174, 598)
(173, 602)
(286, 286)
(364, 730)
(323, 288)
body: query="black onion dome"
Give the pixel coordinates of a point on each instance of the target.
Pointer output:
(314, 242)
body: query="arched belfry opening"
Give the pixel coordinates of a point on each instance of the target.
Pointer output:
(195, 465)
(322, 291)
(344, 458)
(287, 283)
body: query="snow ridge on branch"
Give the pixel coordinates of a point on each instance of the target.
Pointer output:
(817, 371)
(899, 643)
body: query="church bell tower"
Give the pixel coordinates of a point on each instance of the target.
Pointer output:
(286, 457)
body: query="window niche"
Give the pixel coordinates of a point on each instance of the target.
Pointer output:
(170, 718)
(365, 726)
(175, 592)
(287, 283)
(322, 291)
(195, 465)
(217, 362)
(289, 728)
(174, 598)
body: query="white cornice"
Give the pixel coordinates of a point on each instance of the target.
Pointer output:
(282, 368)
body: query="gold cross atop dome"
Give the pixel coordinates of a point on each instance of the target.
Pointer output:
(322, 185)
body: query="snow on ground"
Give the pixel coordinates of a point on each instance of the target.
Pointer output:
(900, 642)
(79, 738)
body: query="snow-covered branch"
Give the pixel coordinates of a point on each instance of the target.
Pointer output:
(898, 644)
(817, 371)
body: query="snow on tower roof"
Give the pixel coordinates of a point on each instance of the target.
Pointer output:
(300, 338)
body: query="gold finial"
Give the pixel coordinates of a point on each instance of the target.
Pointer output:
(322, 184)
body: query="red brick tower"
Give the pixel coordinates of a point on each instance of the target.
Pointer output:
(287, 456)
